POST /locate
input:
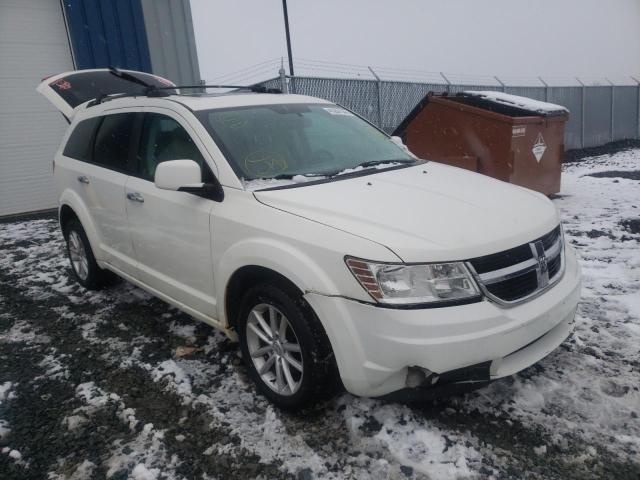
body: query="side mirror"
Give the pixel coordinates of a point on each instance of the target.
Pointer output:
(186, 176)
(173, 174)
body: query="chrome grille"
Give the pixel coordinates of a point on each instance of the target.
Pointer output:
(523, 272)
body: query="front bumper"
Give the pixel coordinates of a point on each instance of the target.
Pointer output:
(375, 346)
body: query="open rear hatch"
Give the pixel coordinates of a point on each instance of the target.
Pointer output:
(69, 90)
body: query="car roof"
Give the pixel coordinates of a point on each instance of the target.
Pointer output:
(208, 101)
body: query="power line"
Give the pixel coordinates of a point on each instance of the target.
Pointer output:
(250, 67)
(251, 78)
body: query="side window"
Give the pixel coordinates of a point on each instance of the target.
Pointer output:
(164, 139)
(111, 148)
(80, 141)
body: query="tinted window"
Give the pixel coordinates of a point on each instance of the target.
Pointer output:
(79, 144)
(113, 140)
(164, 139)
(79, 87)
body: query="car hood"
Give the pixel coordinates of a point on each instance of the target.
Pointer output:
(424, 213)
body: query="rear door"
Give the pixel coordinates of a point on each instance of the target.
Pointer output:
(97, 171)
(69, 90)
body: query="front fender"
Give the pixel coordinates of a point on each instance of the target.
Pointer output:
(73, 201)
(280, 257)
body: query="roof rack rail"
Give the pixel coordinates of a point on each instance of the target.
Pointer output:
(153, 91)
(251, 88)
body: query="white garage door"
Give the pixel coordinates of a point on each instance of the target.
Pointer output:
(33, 44)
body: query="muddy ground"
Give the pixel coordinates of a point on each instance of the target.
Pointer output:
(91, 387)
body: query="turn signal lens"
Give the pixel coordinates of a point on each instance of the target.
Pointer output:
(364, 275)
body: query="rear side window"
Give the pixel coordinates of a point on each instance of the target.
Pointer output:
(80, 141)
(111, 148)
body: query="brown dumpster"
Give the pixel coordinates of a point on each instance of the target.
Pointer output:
(511, 138)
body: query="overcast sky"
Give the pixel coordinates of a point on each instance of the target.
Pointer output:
(558, 39)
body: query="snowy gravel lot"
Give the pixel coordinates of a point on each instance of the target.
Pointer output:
(91, 386)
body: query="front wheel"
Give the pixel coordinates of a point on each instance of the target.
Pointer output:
(285, 347)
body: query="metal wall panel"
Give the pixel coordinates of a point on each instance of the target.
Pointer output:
(597, 116)
(625, 112)
(571, 98)
(537, 93)
(463, 88)
(108, 33)
(33, 44)
(171, 39)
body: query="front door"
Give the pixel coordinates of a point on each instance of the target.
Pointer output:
(170, 230)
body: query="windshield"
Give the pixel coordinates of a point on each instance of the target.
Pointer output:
(287, 140)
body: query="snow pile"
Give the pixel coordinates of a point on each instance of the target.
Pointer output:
(5, 388)
(22, 331)
(412, 442)
(170, 372)
(143, 455)
(521, 102)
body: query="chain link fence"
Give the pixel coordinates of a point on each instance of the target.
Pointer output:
(598, 114)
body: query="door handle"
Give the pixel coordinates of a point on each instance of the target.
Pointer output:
(83, 179)
(135, 197)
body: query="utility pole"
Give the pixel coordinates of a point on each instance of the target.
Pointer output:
(379, 89)
(286, 28)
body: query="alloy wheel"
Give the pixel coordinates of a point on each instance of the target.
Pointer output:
(274, 349)
(78, 255)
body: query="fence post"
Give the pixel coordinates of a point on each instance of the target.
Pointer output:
(546, 89)
(283, 80)
(379, 91)
(504, 87)
(612, 110)
(583, 116)
(638, 116)
(446, 80)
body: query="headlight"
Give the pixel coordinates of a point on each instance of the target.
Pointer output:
(398, 284)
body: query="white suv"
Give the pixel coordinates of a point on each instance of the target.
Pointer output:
(301, 230)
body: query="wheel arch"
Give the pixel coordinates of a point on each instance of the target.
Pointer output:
(71, 206)
(243, 279)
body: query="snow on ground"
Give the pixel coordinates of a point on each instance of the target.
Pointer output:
(100, 384)
(603, 400)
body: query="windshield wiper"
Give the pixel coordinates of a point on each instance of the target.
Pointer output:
(334, 173)
(367, 164)
(289, 176)
(373, 163)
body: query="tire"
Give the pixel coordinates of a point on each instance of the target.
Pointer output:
(83, 264)
(318, 377)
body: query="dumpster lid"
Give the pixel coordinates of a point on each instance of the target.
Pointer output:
(499, 102)
(524, 103)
